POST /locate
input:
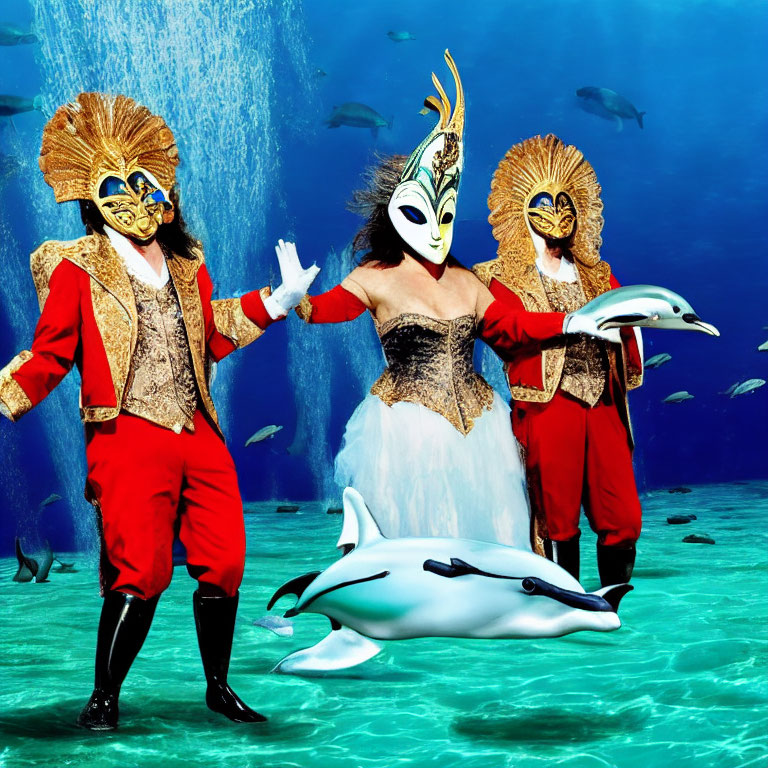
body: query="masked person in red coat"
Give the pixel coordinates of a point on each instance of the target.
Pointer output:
(130, 305)
(569, 394)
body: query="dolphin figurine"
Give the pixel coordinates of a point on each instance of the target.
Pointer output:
(396, 589)
(649, 306)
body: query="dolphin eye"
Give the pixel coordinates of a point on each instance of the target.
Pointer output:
(414, 215)
(447, 218)
(676, 310)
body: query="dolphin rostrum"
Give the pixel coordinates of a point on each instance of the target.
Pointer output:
(650, 306)
(396, 589)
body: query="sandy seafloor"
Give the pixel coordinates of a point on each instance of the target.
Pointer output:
(682, 683)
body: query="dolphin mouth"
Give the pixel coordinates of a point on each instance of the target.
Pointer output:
(699, 325)
(584, 601)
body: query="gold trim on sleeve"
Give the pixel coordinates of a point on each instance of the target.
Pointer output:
(232, 322)
(12, 396)
(304, 308)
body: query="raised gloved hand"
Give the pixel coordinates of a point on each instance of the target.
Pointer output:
(576, 323)
(295, 281)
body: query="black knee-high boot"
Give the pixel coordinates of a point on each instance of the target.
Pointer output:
(215, 623)
(123, 626)
(564, 553)
(615, 564)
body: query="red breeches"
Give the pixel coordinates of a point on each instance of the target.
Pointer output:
(576, 455)
(150, 482)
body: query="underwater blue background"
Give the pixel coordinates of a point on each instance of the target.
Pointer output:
(246, 87)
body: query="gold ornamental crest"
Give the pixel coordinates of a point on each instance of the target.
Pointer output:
(97, 134)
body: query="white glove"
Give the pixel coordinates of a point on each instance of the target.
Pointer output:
(296, 281)
(575, 323)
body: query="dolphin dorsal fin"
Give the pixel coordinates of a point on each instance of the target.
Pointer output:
(359, 527)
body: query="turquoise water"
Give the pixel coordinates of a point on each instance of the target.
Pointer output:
(682, 683)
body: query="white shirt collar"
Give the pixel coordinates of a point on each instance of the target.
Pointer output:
(566, 273)
(134, 262)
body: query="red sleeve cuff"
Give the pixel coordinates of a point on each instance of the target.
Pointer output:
(254, 309)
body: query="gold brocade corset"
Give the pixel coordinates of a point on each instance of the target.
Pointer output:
(585, 370)
(161, 384)
(430, 363)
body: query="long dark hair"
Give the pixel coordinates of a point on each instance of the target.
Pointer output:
(173, 237)
(378, 237)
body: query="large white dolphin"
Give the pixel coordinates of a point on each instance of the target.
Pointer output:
(396, 589)
(649, 306)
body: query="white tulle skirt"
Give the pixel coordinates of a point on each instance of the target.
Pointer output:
(422, 477)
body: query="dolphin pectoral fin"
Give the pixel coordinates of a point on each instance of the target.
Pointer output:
(45, 565)
(585, 601)
(293, 587)
(342, 648)
(614, 594)
(619, 124)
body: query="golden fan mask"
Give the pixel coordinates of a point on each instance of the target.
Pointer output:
(547, 184)
(423, 205)
(551, 212)
(115, 152)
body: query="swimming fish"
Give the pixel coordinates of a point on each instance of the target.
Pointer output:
(357, 115)
(678, 397)
(10, 34)
(657, 360)
(730, 389)
(52, 499)
(396, 589)
(399, 36)
(15, 105)
(263, 434)
(750, 385)
(608, 104)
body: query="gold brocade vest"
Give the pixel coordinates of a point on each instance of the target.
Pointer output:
(161, 383)
(585, 368)
(430, 363)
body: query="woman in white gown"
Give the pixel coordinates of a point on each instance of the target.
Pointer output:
(431, 448)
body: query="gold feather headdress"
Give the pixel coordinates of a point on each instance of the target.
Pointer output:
(99, 134)
(525, 169)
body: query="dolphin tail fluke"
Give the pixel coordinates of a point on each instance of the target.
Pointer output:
(27, 566)
(45, 565)
(640, 118)
(340, 649)
(293, 587)
(614, 594)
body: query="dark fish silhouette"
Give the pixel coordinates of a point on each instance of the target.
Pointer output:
(357, 115)
(399, 36)
(15, 105)
(608, 104)
(10, 34)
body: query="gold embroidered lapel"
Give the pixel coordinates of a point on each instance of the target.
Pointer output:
(183, 273)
